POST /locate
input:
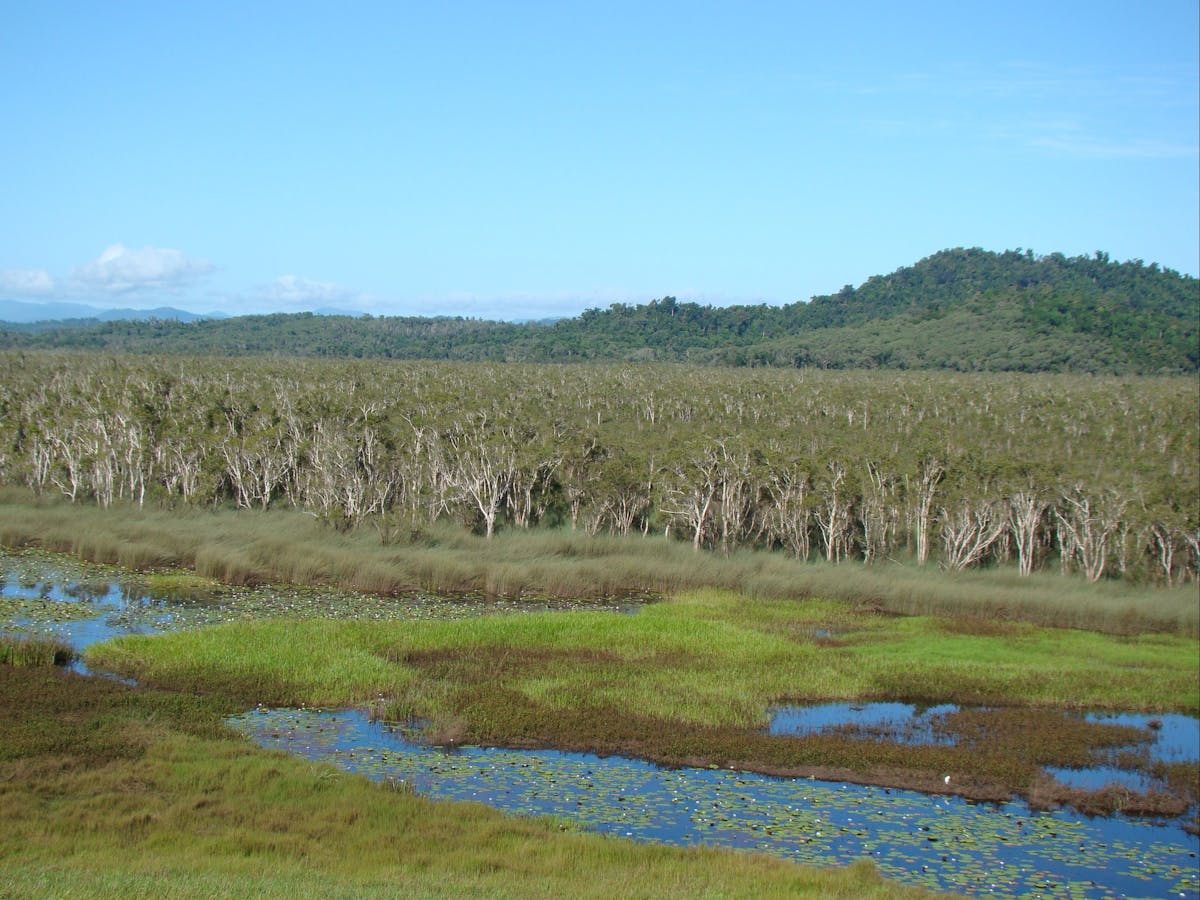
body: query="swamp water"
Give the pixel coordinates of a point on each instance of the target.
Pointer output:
(1169, 738)
(940, 842)
(945, 843)
(81, 605)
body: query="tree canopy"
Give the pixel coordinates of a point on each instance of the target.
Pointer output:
(959, 309)
(1090, 474)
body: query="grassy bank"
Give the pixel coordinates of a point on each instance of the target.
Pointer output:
(111, 791)
(290, 547)
(690, 681)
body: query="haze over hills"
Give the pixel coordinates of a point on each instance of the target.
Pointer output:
(18, 312)
(959, 309)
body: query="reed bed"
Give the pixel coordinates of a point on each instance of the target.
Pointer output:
(286, 546)
(25, 651)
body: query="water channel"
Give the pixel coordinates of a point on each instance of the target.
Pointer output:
(941, 842)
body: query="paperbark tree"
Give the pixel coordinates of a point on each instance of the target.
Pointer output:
(789, 511)
(1086, 528)
(1026, 512)
(482, 464)
(690, 497)
(968, 533)
(930, 473)
(832, 512)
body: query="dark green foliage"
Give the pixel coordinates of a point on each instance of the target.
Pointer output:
(1094, 475)
(966, 310)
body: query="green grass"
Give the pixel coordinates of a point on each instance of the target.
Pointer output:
(690, 681)
(281, 546)
(112, 791)
(105, 790)
(710, 657)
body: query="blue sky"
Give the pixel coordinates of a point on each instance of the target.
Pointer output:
(522, 160)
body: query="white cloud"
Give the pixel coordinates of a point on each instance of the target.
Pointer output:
(120, 270)
(26, 282)
(303, 293)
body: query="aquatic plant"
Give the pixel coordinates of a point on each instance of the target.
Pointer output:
(113, 791)
(692, 679)
(939, 842)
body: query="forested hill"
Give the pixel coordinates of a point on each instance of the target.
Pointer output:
(957, 309)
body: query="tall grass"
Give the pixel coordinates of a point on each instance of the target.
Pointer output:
(285, 546)
(20, 650)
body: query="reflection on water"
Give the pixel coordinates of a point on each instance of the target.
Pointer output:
(940, 842)
(945, 843)
(1175, 738)
(87, 612)
(79, 607)
(1170, 738)
(903, 722)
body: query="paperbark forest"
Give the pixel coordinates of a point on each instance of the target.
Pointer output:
(1097, 476)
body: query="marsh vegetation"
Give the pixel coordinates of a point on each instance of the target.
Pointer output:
(22, 650)
(237, 548)
(691, 681)
(110, 790)
(545, 660)
(1022, 547)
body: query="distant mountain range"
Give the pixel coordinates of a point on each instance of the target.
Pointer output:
(42, 315)
(16, 312)
(959, 309)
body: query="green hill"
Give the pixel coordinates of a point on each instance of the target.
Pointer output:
(960, 309)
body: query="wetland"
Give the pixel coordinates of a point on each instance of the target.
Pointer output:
(1047, 796)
